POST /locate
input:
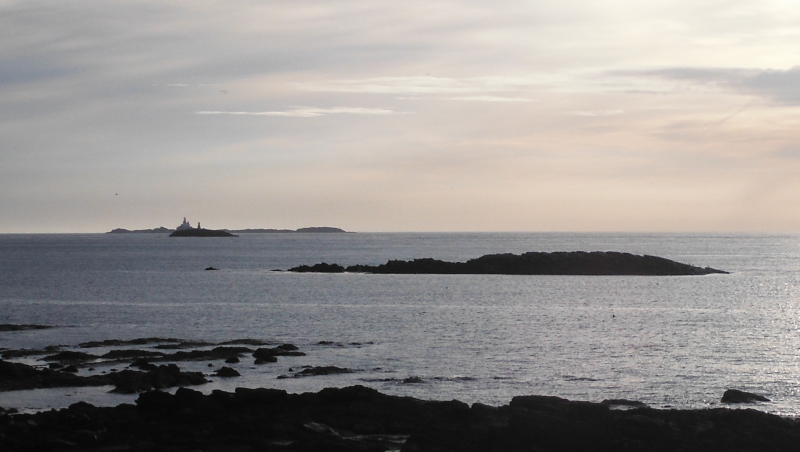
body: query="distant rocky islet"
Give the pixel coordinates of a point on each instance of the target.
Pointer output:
(186, 230)
(533, 263)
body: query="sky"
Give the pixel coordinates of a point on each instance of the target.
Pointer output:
(659, 116)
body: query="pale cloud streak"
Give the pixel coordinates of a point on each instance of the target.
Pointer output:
(306, 112)
(490, 99)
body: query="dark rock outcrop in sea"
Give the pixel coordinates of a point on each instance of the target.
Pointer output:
(737, 396)
(22, 327)
(198, 232)
(361, 419)
(558, 263)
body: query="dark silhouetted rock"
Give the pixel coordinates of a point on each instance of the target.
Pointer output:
(159, 230)
(413, 380)
(281, 350)
(71, 369)
(143, 364)
(22, 327)
(559, 263)
(166, 376)
(322, 370)
(362, 419)
(318, 268)
(320, 229)
(227, 372)
(211, 268)
(196, 232)
(205, 355)
(232, 360)
(736, 396)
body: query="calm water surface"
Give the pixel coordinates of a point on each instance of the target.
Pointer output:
(667, 341)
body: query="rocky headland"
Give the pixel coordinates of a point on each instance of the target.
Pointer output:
(533, 263)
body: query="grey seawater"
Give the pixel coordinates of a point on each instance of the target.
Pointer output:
(667, 341)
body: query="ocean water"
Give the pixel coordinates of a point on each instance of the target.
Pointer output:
(671, 342)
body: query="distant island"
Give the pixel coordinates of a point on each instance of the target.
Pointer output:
(185, 226)
(533, 263)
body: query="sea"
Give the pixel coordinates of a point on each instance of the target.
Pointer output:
(670, 342)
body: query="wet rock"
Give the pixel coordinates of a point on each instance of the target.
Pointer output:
(265, 360)
(18, 376)
(71, 369)
(143, 364)
(204, 355)
(70, 356)
(227, 372)
(281, 350)
(413, 380)
(22, 353)
(22, 327)
(322, 370)
(127, 354)
(166, 376)
(232, 360)
(211, 268)
(736, 396)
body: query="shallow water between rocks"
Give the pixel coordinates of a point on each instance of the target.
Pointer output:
(675, 342)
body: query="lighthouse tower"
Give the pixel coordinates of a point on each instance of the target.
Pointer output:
(185, 225)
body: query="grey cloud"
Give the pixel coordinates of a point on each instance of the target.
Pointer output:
(781, 86)
(306, 112)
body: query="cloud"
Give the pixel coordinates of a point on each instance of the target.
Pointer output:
(490, 99)
(595, 113)
(420, 85)
(781, 86)
(306, 112)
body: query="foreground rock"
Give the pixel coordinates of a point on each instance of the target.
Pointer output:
(362, 419)
(17, 376)
(561, 263)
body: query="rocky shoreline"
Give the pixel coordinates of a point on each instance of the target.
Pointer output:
(170, 416)
(357, 418)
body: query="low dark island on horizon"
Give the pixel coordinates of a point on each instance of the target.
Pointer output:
(533, 263)
(186, 230)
